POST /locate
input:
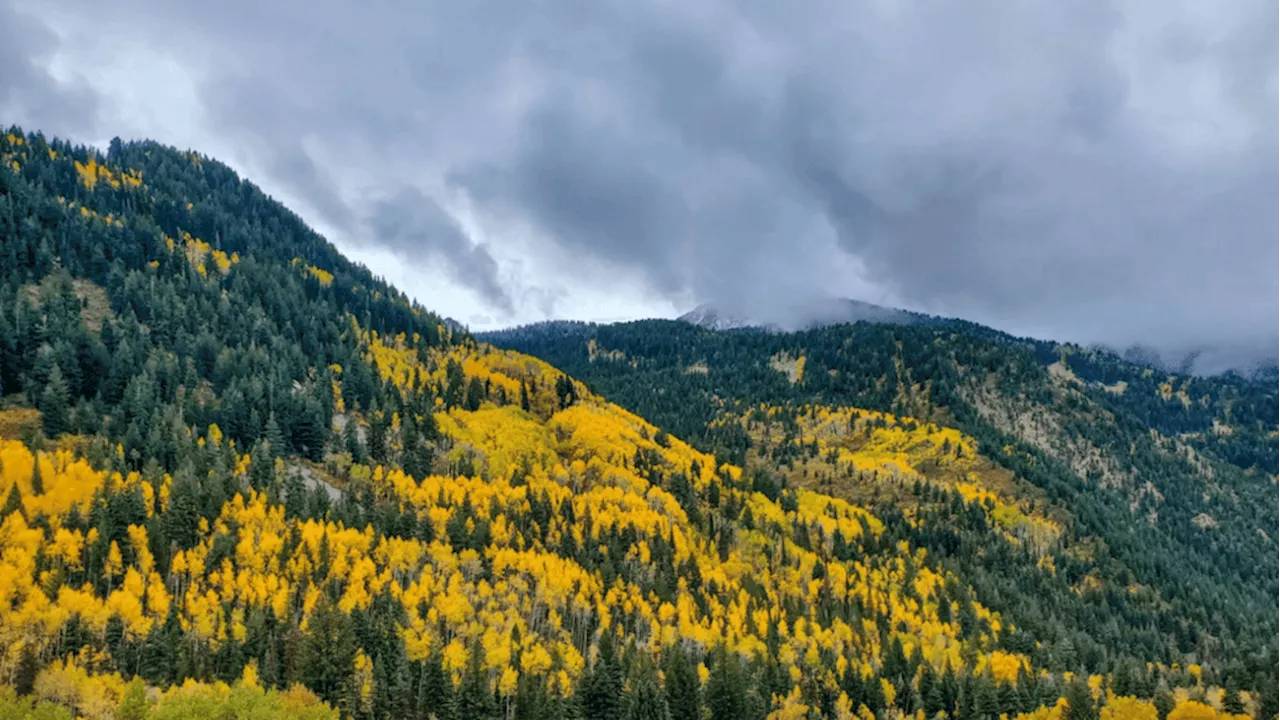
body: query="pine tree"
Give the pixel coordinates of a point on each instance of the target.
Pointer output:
(12, 502)
(37, 479)
(1080, 705)
(160, 651)
(600, 690)
(986, 698)
(1268, 702)
(182, 518)
(644, 699)
(1231, 701)
(1163, 702)
(681, 685)
(475, 700)
(274, 436)
(531, 701)
(328, 651)
(55, 400)
(964, 701)
(726, 690)
(930, 692)
(1009, 702)
(24, 678)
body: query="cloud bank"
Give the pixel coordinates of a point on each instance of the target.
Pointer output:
(1098, 172)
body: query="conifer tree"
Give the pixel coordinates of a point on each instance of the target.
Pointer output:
(55, 400)
(37, 479)
(1268, 703)
(643, 699)
(1163, 702)
(475, 699)
(328, 651)
(1231, 701)
(12, 502)
(1080, 705)
(24, 678)
(681, 685)
(726, 690)
(600, 693)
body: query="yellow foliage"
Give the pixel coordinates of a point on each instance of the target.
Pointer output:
(1192, 710)
(1128, 708)
(324, 277)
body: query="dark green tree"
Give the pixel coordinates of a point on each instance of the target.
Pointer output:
(55, 401)
(37, 478)
(1080, 705)
(12, 502)
(24, 677)
(726, 688)
(681, 685)
(475, 699)
(600, 690)
(643, 699)
(328, 652)
(1268, 703)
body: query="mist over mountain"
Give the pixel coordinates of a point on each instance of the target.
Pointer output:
(1252, 361)
(801, 315)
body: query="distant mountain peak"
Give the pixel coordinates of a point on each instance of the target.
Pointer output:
(709, 316)
(802, 316)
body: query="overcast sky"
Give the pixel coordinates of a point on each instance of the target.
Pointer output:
(1091, 171)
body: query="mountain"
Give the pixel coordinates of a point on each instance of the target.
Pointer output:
(241, 476)
(803, 315)
(1163, 485)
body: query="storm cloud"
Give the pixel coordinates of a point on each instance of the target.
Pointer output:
(1098, 172)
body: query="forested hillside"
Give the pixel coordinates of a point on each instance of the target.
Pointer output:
(242, 477)
(1164, 486)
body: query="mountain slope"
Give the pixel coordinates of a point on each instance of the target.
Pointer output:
(1165, 484)
(228, 455)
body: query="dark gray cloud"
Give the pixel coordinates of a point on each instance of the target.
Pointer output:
(410, 223)
(1088, 171)
(26, 87)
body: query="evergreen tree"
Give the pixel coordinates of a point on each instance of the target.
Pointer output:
(600, 690)
(55, 400)
(274, 436)
(965, 709)
(24, 677)
(1080, 705)
(12, 502)
(1231, 701)
(644, 700)
(1163, 702)
(182, 518)
(37, 479)
(328, 652)
(1268, 703)
(986, 698)
(726, 691)
(681, 685)
(475, 700)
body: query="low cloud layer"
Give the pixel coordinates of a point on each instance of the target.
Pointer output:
(1086, 171)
